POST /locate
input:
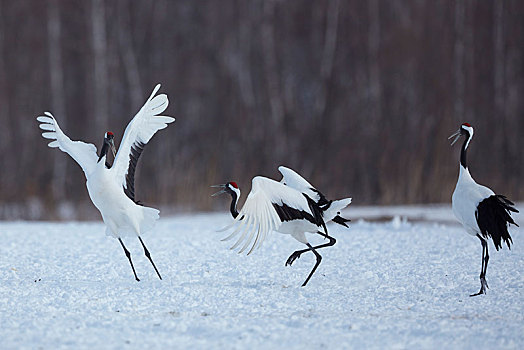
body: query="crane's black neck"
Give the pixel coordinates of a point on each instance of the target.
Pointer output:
(103, 153)
(233, 207)
(464, 149)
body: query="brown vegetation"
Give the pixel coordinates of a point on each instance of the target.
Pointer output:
(358, 96)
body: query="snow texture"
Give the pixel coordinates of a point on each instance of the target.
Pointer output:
(395, 284)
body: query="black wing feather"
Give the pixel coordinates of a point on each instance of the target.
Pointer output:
(493, 217)
(287, 213)
(322, 201)
(136, 151)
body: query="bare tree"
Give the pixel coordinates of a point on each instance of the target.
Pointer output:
(100, 71)
(128, 53)
(375, 92)
(459, 60)
(271, 71)
(328, 54)
(58, 96)
(4, 99)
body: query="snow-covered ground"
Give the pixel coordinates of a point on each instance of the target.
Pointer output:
(385, 284)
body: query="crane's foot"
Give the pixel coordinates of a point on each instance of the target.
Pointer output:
(483, 286)
(293, 257)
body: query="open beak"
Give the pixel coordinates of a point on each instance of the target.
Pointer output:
(340, 220)
(219, 192)
(113, 148)
(456, 136)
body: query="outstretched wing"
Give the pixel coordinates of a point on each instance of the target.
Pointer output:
(267, 206)
(138, 133)
(293, 179)
(83, 153)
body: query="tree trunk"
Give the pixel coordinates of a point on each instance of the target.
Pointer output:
(100, 79)
(58, 97)
(128, 53)
(328, 54)
(375, 93)
(459, 61)
(271, 69)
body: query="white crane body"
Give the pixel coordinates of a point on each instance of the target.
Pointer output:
(481, 212)
(111, 188)
(286, 207)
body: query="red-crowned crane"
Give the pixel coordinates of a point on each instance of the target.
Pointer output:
(482, 212)
(282, 207)
(112, 188)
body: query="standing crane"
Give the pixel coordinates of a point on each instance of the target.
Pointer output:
(483, 213)
(112, 188)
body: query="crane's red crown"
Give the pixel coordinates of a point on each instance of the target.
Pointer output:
(234, 184)
(467, 124)
(109, 133)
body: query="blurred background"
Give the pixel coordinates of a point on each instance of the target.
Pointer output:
(357, 96)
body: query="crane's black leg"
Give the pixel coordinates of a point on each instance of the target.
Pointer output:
(319, 259)
(486, 259)
(128, 257)
(297, 254)
(483, 282)
(483, 268)
(149, 257)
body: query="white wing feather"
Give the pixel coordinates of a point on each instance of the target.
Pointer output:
(83, 153)
(292, 179)
(258, 216)
(140, 130)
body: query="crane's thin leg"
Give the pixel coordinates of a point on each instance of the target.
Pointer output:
(128, 257)
(149, 257)
(483, 268)
(319, 259)
(486, 259)
(297, 254)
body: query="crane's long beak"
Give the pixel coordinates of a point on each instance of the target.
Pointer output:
(223, 186)
(113, 148)
(456, 136)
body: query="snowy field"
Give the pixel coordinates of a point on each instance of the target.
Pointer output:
(386, 284)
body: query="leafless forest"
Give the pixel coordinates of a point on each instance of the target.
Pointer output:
(358, 96)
